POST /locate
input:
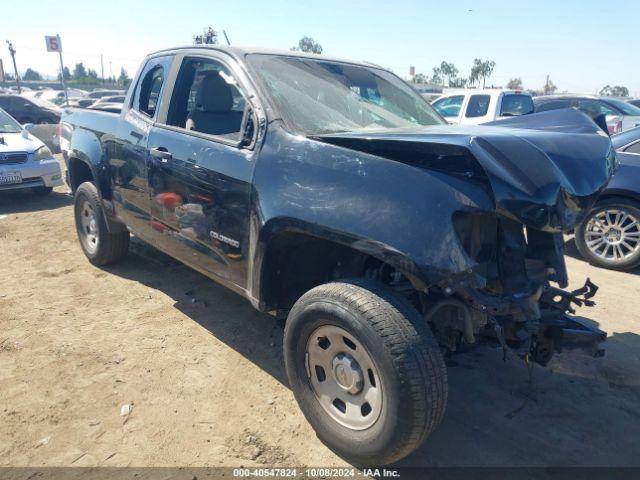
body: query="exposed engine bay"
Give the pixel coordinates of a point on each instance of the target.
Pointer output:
(510, 286)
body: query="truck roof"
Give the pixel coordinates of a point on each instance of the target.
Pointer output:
(240, 52)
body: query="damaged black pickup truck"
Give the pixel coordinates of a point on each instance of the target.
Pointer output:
(330, 193)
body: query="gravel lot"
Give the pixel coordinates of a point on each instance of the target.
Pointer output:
(204, 378)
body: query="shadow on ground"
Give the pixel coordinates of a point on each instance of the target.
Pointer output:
(581, 411)
(571, 250)
(23, 201)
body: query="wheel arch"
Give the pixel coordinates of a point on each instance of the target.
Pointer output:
(621, 194)
(292, 257)
(86, 147)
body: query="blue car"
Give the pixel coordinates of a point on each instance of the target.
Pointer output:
(609, 237)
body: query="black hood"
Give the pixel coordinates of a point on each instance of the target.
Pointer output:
(544, 170)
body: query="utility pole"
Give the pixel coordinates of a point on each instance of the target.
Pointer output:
(102, 68)
(12, 51)
(64, 83)
(546, 85)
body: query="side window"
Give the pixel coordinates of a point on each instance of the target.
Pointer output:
(478, 106)
(553, 105)
(596, 107)
(149, 89)
(449, 106)
(207, 99)
(634, 148)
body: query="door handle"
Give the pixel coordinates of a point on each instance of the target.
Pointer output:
(161, 153)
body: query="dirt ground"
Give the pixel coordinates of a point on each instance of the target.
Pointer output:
(204, 378)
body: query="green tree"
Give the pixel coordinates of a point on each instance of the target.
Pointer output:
(419, 78)
(482, 69)
(609, 91)
(66, 72)
(209, 37)
(515, 84)
(436, 77)
(123, 79)
(92, 73)
(549, 88)
(309, 45)
(31, 75)
(459, 82)
(79, 71)
(449, 72)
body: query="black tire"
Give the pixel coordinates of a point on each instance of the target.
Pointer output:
(42, 191)
(111, 247)
(409, 362)
(623, 204)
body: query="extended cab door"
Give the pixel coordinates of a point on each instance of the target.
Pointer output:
(202, 160)
(477, 109)
(129, 158)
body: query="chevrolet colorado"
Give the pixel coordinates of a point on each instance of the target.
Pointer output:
(330, 193)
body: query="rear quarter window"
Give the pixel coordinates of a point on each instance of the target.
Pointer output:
(478, 106)
(514, 105)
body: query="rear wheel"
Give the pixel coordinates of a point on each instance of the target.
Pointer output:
(610, 235)
(365, 370)
(99, 245)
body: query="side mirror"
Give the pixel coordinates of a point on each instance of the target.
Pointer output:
(28, 106)
(28, 126)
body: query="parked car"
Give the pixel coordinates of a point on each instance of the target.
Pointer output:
(473, 107)
(609, 236)
(99, 93)
(331, 193)
(30, 110)
(619, 115)
(112, 107)
(84, 102)
(25, 162)
(112, 99)
(57, 97)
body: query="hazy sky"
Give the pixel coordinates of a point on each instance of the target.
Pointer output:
(582, 45)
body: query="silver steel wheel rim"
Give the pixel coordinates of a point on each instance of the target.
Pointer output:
(343, 377)
(88, 227)
(613, 235)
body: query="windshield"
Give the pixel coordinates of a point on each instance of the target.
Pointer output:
(8, 124)
(624, 107)
(318, 97)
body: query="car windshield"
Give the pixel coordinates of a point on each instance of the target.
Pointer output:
(623, 139)
(319, 97)
(624, 107)
(8, 124)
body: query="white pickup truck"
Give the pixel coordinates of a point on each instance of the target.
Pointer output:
(476, 106)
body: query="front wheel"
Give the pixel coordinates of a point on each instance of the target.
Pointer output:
(365, 369)
(99, 245)
(610, 235)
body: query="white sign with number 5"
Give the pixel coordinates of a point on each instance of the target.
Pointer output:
(53, 43)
